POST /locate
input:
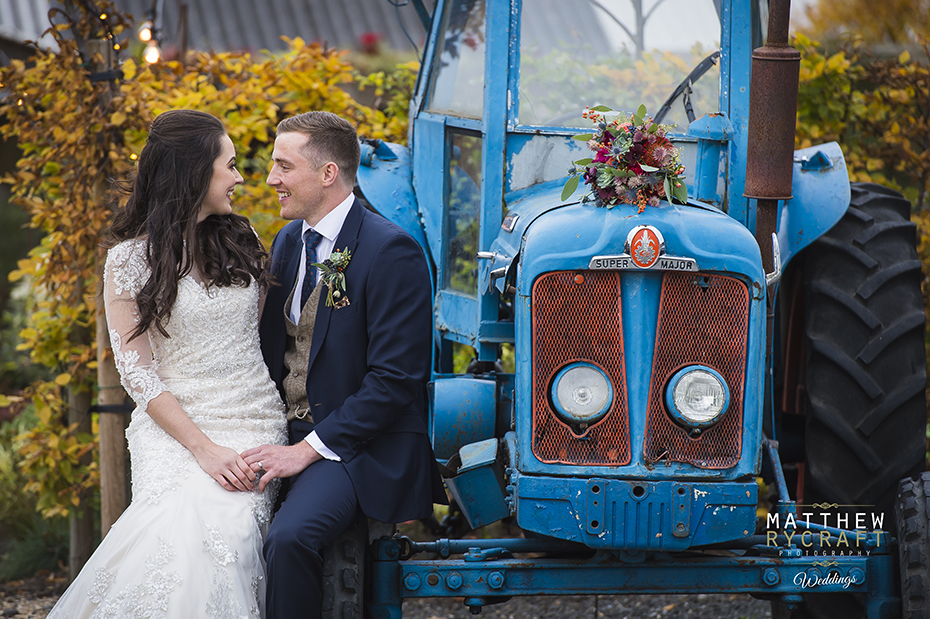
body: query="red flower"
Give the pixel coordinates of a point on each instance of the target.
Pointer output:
(370, 42)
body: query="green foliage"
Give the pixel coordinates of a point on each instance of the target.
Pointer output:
(16, 239)
(877, 109)
(43, 545)
(16, 369)
(393, 90)
(508, 361)
(463, 355)
(76, 135)
(16, 505)
(28, 542)
(570, 186)
(922, 219)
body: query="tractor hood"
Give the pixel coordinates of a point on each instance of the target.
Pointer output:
(549, 235)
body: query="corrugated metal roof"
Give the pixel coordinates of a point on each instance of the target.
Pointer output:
(25, 20)
(222, 25)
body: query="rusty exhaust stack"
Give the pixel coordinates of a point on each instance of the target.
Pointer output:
(772, 115)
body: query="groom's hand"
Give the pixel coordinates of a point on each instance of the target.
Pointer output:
(279, 460)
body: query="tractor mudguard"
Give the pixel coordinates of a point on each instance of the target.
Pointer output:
(387, 184)
(820, 196)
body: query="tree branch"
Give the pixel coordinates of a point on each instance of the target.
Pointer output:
(652, 10)
(613, 17)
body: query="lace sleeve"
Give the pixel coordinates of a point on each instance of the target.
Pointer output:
(125, 273)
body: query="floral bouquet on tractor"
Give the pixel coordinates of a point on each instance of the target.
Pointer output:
(634, 162)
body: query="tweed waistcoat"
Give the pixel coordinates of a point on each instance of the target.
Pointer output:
(297, 355)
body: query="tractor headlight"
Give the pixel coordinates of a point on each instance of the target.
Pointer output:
(581, 394)
(697, 396)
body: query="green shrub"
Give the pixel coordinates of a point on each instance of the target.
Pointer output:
(875, 108)
(28, 542)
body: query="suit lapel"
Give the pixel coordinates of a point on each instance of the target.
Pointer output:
(284, 269)
(292, 248)
(348, 238)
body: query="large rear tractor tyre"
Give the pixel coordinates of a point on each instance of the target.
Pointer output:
(912, 511)
(866, 361)
(865, 372)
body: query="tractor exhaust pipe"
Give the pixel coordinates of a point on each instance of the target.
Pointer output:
(772, 115)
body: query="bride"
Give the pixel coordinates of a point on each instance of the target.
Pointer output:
(182, 295)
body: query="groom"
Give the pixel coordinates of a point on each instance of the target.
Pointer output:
(353, 368)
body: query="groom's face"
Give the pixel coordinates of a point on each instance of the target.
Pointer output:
(300, 183)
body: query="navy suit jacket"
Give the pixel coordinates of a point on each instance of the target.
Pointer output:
(369, 363)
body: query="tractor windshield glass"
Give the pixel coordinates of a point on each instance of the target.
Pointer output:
(618, 53)
(459, 82)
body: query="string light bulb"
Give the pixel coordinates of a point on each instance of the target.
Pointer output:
(152, 53)
(145, 32)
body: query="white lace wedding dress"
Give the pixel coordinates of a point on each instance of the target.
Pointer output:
(185, 547)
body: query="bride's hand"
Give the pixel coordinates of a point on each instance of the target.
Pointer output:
(226, 467)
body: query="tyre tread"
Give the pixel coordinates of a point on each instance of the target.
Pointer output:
(866, 361)
(344, 573)
(913, 531)
(890, 335)
(879, 280)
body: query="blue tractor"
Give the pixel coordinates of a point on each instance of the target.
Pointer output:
(668, 362)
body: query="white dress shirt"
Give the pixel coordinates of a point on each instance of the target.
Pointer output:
(329, 228)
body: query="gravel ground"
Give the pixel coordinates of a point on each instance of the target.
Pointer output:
(599, 607)
(34, 598)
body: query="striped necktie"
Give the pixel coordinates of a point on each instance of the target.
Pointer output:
(312, 238)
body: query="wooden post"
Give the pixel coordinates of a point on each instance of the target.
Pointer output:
(114, 492)
(82, 521)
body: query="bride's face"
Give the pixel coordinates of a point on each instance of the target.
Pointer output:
(224, 181)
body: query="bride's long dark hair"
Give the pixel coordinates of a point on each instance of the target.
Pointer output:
(174, 173)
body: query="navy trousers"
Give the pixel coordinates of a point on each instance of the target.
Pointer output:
(320, 504)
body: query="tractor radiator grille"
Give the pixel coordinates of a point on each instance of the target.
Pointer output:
(576, 317)
(702, 319)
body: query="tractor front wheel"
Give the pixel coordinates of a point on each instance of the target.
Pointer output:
(912, 511)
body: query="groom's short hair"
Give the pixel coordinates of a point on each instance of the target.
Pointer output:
(329, 138)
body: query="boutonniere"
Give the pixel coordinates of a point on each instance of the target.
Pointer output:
(332, 276)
